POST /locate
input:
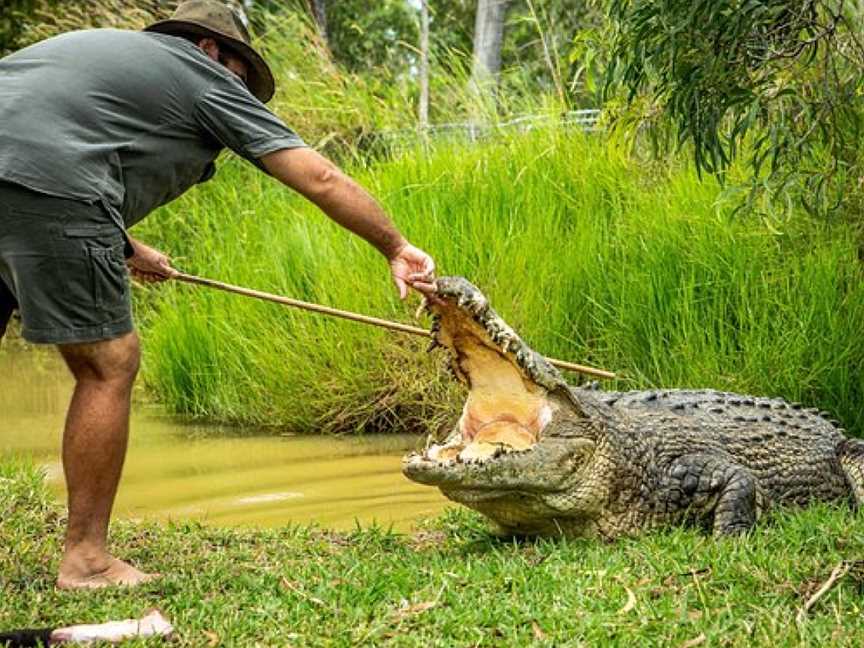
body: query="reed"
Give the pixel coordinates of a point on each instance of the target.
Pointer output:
(593, 258)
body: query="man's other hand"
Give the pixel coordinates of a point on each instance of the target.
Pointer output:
(149, 265)
(411, 266)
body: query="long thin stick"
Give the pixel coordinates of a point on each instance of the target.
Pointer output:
(356, 317)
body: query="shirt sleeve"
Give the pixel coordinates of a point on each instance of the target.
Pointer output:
(232, 116)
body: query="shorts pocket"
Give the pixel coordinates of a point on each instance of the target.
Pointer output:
(98, 233)
(110, 277)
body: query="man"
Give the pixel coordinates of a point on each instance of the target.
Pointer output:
(98, 128)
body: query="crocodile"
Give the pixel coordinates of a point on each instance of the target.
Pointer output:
(538, 456)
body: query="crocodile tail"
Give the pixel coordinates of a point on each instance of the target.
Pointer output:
(851, 455)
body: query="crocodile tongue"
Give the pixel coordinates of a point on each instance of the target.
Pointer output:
(506, 409)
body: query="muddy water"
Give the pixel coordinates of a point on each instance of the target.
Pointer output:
(181, 471)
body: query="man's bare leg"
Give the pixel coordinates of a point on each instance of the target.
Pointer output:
(94, 446)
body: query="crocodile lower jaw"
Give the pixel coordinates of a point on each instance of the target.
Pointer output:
(482, 439)
(508, 437)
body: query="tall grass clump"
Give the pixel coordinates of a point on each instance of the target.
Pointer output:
(589, 256)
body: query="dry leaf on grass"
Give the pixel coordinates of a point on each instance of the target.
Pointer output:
(695, 641)
(631, 602)
(423, 539)
(294, 587)
(405, 610)
(212, 638)
(538, 631)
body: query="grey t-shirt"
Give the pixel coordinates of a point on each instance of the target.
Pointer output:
(128, 119)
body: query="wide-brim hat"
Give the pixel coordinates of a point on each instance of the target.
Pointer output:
(209, 18)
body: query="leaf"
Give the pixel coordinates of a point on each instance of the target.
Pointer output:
(405, 610)
(212, 638)
(695, 641)
(631, 602)
(538, 631)
(297, 590)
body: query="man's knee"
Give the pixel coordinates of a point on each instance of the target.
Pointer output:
(113, 361)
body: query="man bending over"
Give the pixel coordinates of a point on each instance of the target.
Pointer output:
(97, 129)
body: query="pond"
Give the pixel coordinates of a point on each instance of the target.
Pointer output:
(177, 470)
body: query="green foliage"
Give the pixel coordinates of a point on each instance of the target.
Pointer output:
(11, 15)
(375, 37)
(380, 36)
(382, 41)
(328, 106)
(35, 20)
(588, 256)
(452, 25)
(450, 584)
(777, 80)
(537, 44)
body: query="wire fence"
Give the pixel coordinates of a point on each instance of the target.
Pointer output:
(586, 120)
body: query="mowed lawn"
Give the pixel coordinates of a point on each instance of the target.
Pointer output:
(450, 583)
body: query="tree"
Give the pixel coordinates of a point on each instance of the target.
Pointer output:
(372, 38)
(488, 37)
(423, 108)
(318, 9)
(779, 80)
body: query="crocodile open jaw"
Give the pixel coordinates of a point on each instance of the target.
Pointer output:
(507, 407)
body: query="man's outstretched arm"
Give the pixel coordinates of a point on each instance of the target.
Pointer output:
(347, 203)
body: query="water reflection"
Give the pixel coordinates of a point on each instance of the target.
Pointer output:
(179, 471)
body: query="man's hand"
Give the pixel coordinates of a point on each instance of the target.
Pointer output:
(411, 266)
(149, 265)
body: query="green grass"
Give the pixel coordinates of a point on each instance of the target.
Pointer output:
(449, 584)
(592, 257)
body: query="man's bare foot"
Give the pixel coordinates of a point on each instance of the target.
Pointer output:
(76, 575)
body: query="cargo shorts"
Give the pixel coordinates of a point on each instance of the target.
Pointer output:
(63, 267)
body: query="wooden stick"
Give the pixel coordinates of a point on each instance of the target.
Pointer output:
(356, 317)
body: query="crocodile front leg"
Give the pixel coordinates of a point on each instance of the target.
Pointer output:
(711, 489)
